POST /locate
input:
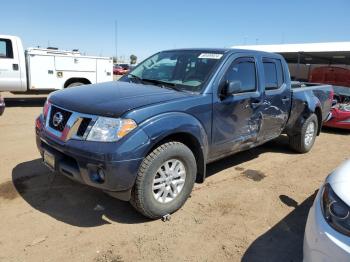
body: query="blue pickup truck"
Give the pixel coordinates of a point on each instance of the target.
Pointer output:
(148, 137)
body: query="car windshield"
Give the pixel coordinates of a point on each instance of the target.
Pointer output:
(186, 70)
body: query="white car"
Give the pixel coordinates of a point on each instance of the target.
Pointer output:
(327, 232)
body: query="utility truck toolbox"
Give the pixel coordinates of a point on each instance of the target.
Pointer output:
(148, 137)
(40, 69)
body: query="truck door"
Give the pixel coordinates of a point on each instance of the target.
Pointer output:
(10, 74)
(277, 100)
(236, 116)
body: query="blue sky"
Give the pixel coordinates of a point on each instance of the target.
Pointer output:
(145, 27)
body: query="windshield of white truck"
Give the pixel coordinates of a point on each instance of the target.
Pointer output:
(185, 70)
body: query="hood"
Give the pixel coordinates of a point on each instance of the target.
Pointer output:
(112, 99)
(339, 180)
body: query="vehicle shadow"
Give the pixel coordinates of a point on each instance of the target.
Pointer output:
(284, 241)
(84, 206)
(278, 145)
(335, 131)
(68, 201)
(25, 101)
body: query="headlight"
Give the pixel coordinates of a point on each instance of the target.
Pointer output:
(335, 211)
(108, 129)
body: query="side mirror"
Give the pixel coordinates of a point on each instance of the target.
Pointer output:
(232, 87)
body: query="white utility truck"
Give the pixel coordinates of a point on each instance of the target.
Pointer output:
(41, 70)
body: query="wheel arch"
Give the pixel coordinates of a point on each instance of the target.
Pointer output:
(318, 113)
(180, 127)
(76, 80)
(193, 144)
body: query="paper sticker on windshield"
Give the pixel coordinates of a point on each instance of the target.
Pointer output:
(210, 56)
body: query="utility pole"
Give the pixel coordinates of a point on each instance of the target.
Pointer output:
(116, 40)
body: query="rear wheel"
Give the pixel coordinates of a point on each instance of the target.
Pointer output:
(165, 180)
(304, 141)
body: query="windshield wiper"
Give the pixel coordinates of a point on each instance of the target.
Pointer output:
(157, 82)
(135, 77)
(163, 84)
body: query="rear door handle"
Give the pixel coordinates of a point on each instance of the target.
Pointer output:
(285, 99)
(15, 67)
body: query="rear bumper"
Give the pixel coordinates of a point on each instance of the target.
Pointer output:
(82, 160)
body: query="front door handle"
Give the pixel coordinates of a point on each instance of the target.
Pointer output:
(255, 103)
(15, 67)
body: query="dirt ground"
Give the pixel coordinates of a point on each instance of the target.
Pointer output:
(252, 207)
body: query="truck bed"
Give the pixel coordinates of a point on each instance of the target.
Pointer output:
(303, 96)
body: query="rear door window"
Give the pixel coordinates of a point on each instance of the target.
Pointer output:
(273, 73)
(6, 48)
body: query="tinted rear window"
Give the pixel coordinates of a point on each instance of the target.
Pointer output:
(273, 74)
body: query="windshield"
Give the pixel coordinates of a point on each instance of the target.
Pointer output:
(185, 69)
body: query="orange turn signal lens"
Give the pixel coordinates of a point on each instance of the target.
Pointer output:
(126, 126)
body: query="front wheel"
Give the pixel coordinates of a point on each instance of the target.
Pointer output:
(304, 141)
(165, 180)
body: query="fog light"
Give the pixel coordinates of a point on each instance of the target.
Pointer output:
(98, 176)
(101, 174)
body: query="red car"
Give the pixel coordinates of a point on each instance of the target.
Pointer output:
(340, 112)
(340, 79)
(2, 105)
(120, 69)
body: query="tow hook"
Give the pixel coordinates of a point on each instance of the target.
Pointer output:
(166, 218)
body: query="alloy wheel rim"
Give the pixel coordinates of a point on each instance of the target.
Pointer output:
(169, 181)
(309, 134)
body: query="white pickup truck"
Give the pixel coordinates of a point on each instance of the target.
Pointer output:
(40, 70)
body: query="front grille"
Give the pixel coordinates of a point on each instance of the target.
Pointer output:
(57, 123)
(83, 126)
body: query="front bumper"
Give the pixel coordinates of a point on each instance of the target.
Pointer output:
(80, 160)
(321, 241)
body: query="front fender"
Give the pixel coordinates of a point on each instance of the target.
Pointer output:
(163, 125)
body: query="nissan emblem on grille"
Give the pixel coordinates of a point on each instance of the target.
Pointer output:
(57, 119)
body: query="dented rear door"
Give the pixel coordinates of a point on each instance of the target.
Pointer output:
(277, 99)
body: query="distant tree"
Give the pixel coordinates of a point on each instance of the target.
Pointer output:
(133, 59)
(114, 60)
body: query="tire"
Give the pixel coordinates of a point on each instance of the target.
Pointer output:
(304, 141)
(75, 84)
(150, 201)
